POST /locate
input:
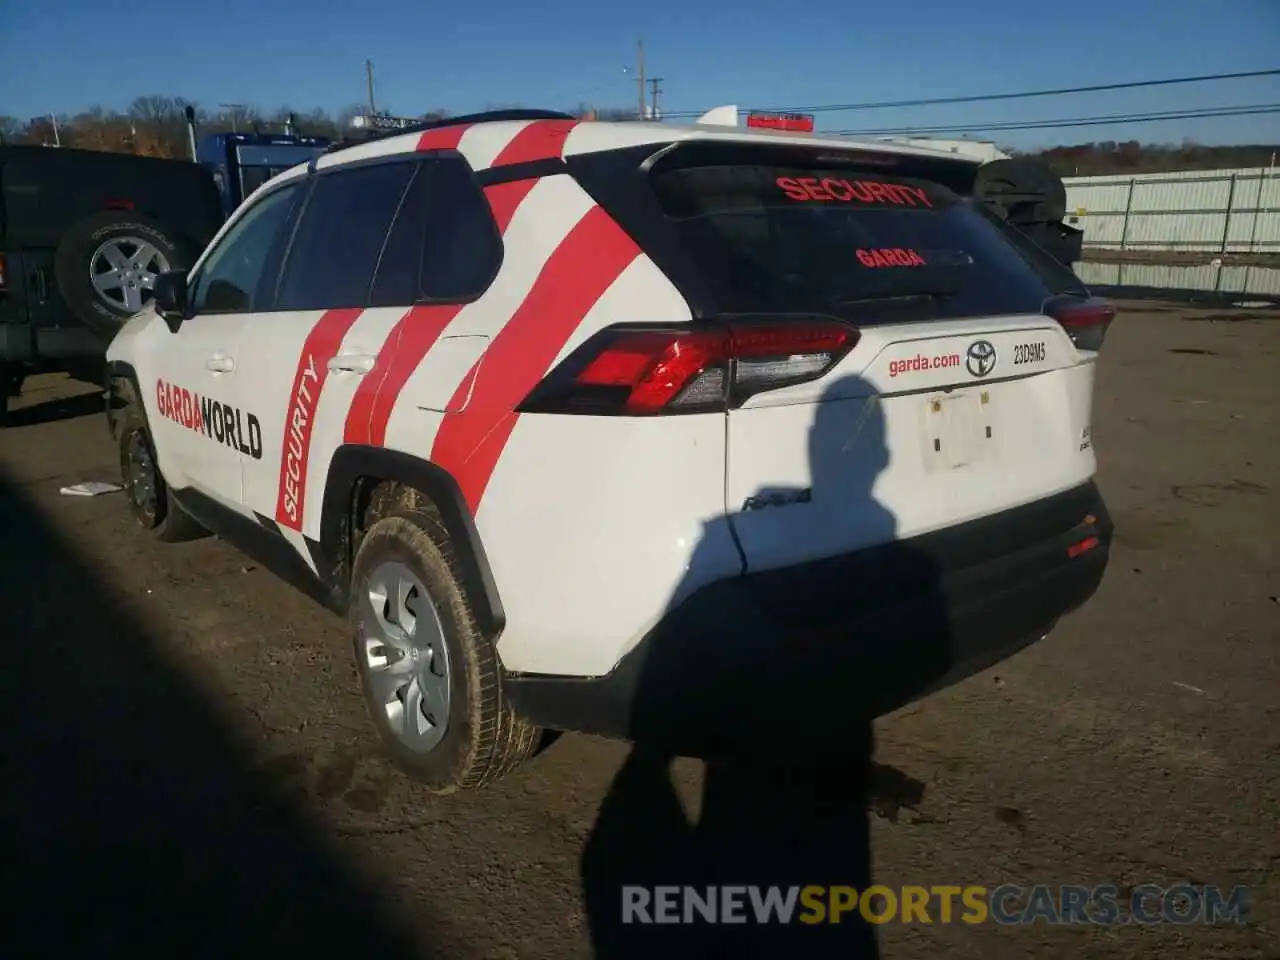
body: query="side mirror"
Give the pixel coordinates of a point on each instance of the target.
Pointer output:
(171, 298)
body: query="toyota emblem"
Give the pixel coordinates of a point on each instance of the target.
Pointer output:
(980, 358)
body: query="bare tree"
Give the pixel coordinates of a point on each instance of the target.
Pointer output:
(12, 129)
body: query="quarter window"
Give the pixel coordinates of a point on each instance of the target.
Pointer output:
(444, 246)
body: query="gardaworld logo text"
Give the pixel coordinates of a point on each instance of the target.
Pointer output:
(217, 421)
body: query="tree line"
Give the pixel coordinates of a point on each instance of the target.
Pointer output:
(1132, 158)
(156, 126)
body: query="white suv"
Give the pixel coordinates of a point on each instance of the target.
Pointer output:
(629, 428)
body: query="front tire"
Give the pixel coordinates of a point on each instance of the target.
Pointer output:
(148, 496)
(430, 677)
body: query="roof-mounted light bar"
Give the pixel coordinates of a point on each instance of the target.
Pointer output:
(729, 116)
(791, 122)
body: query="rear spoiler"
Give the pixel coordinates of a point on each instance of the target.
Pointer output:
(1023, 192)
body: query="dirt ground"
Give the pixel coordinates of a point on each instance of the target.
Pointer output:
(189, 772)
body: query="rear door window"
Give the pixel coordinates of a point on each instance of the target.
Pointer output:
(340, 237)
(845, 240)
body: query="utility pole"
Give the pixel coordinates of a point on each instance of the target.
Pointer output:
(653, 85)
(640, 76)
(235, 109)
(368, 70)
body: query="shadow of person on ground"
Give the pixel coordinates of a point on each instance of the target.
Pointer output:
(787, 732)
(135, 824)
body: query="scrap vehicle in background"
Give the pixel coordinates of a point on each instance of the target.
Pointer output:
(85, 233)
(242, 162)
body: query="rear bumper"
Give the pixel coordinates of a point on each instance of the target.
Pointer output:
(818, 646)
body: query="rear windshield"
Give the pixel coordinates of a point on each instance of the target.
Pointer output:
(845, 240)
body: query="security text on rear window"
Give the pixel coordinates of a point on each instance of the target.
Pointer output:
(847, 241)
(846, 190)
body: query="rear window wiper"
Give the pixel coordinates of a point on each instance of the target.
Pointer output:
(941, 294)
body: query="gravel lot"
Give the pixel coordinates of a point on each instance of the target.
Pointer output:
(190, 773)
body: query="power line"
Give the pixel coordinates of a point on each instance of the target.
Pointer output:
(1021, 95)
(1101, 120)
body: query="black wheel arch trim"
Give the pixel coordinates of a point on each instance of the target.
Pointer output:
(120, 370)
(351, 463)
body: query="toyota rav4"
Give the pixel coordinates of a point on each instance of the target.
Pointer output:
(628, 428)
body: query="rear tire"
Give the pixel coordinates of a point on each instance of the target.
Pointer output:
(430, 677)
(144, 486)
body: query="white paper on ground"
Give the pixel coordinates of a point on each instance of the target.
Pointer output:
(90, 488)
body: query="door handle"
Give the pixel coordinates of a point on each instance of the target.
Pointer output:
(220, 364)
(360, 363)
(41, 279)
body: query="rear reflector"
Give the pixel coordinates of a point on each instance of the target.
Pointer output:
(1084, 546)
(642, 371)
(1086, 320)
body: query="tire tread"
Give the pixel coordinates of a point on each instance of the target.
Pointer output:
(500, 739)
(175, 524)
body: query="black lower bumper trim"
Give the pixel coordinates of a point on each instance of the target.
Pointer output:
(828, 645)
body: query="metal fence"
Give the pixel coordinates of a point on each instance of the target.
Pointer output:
(1213, 230)
(1222, 211)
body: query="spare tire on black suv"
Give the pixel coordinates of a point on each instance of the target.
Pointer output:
(83, 234)
(107, 264)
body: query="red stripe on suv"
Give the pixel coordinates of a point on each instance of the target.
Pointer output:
(443, 138)
(411, 339)
(587, 262)
(321, 345)
(540, 140)
(408, 343)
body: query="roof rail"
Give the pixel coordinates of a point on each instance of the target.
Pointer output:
(488, 116)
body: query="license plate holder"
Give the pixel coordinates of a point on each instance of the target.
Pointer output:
(957, 430)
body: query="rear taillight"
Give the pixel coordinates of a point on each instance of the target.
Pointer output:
(641, 371)
(1085, 319)
(4, 277)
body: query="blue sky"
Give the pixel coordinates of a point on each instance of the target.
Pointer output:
(66, 55)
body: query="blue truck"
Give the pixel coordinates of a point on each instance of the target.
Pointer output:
(242, 162)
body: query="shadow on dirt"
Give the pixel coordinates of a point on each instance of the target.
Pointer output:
(786, 731)
(135, 823)
(51, 411)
